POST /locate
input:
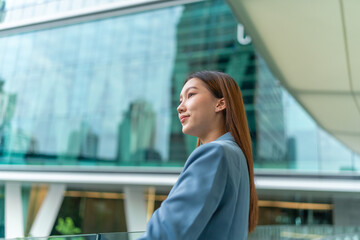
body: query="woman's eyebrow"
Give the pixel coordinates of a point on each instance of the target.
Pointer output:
(189, 89)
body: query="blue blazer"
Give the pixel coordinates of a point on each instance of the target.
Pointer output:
(211, 198)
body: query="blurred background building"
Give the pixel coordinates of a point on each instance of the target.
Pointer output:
(89, 134)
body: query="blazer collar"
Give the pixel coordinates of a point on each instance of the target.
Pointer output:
(226, 136)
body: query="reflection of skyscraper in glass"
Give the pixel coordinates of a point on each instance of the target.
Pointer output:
(271, 139)
(204, 42)
(7, 105)
(291, 152)
(14, 141)
(207, 39)
(90, 72)
(83, 143)
(2, 10)
(7, 108)
(137, 133)
(89, 146)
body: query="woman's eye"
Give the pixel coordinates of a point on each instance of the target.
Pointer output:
(190, 94)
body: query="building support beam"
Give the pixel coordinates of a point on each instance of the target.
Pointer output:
(14, 221)
(135, 209)
(344, 213)
(45, 219)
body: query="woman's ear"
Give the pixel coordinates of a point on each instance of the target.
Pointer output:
(221, 105)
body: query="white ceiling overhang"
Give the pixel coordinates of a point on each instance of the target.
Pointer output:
(313, 48)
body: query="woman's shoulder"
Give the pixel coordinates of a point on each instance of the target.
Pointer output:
(232, 153)
(220, 147)
(206, 152)
(228, 147)
(214, 147)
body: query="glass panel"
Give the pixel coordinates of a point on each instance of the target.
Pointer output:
(74, 237)
(105, 92)
(260, 233)
(84, 102)
(20, 10)
(102, 236)
(67, 237)
(346, 236)
(121, 236)
(89, 212)
(304, 232)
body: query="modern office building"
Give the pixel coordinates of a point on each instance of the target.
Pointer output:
(88, 121)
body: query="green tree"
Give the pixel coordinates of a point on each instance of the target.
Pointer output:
(67, 227)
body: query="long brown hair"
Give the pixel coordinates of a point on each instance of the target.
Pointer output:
(221, 85)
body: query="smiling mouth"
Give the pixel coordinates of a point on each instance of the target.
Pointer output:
(182, 120)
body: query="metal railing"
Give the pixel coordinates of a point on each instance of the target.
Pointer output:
(97, 236)
(275, 232)
(315, 232)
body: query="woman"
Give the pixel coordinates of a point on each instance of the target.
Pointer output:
(215, 196)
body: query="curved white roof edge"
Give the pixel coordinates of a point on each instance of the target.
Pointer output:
(101, 11)
(312, 48)
(77, 178)
(263, 180)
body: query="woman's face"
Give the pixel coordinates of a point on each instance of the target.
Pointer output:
(197, 109)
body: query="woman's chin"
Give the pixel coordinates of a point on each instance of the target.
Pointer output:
(188, 131)
(185, 130)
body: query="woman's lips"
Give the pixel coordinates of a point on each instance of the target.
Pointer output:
(182, 119)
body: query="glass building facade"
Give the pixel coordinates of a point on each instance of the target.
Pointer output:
(104, 93)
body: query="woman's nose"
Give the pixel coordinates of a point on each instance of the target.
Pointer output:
(180, 108)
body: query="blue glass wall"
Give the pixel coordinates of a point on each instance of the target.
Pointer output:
(20, 10)
(97, 90)
(105, 92)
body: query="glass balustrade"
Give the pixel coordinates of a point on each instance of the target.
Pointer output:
(318, 232)
(96, 236)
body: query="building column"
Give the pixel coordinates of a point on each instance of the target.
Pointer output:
(14, 221)
(344, 213)
(135, 209)
(45, 218)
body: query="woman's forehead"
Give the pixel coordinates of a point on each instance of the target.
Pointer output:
(192, 83)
